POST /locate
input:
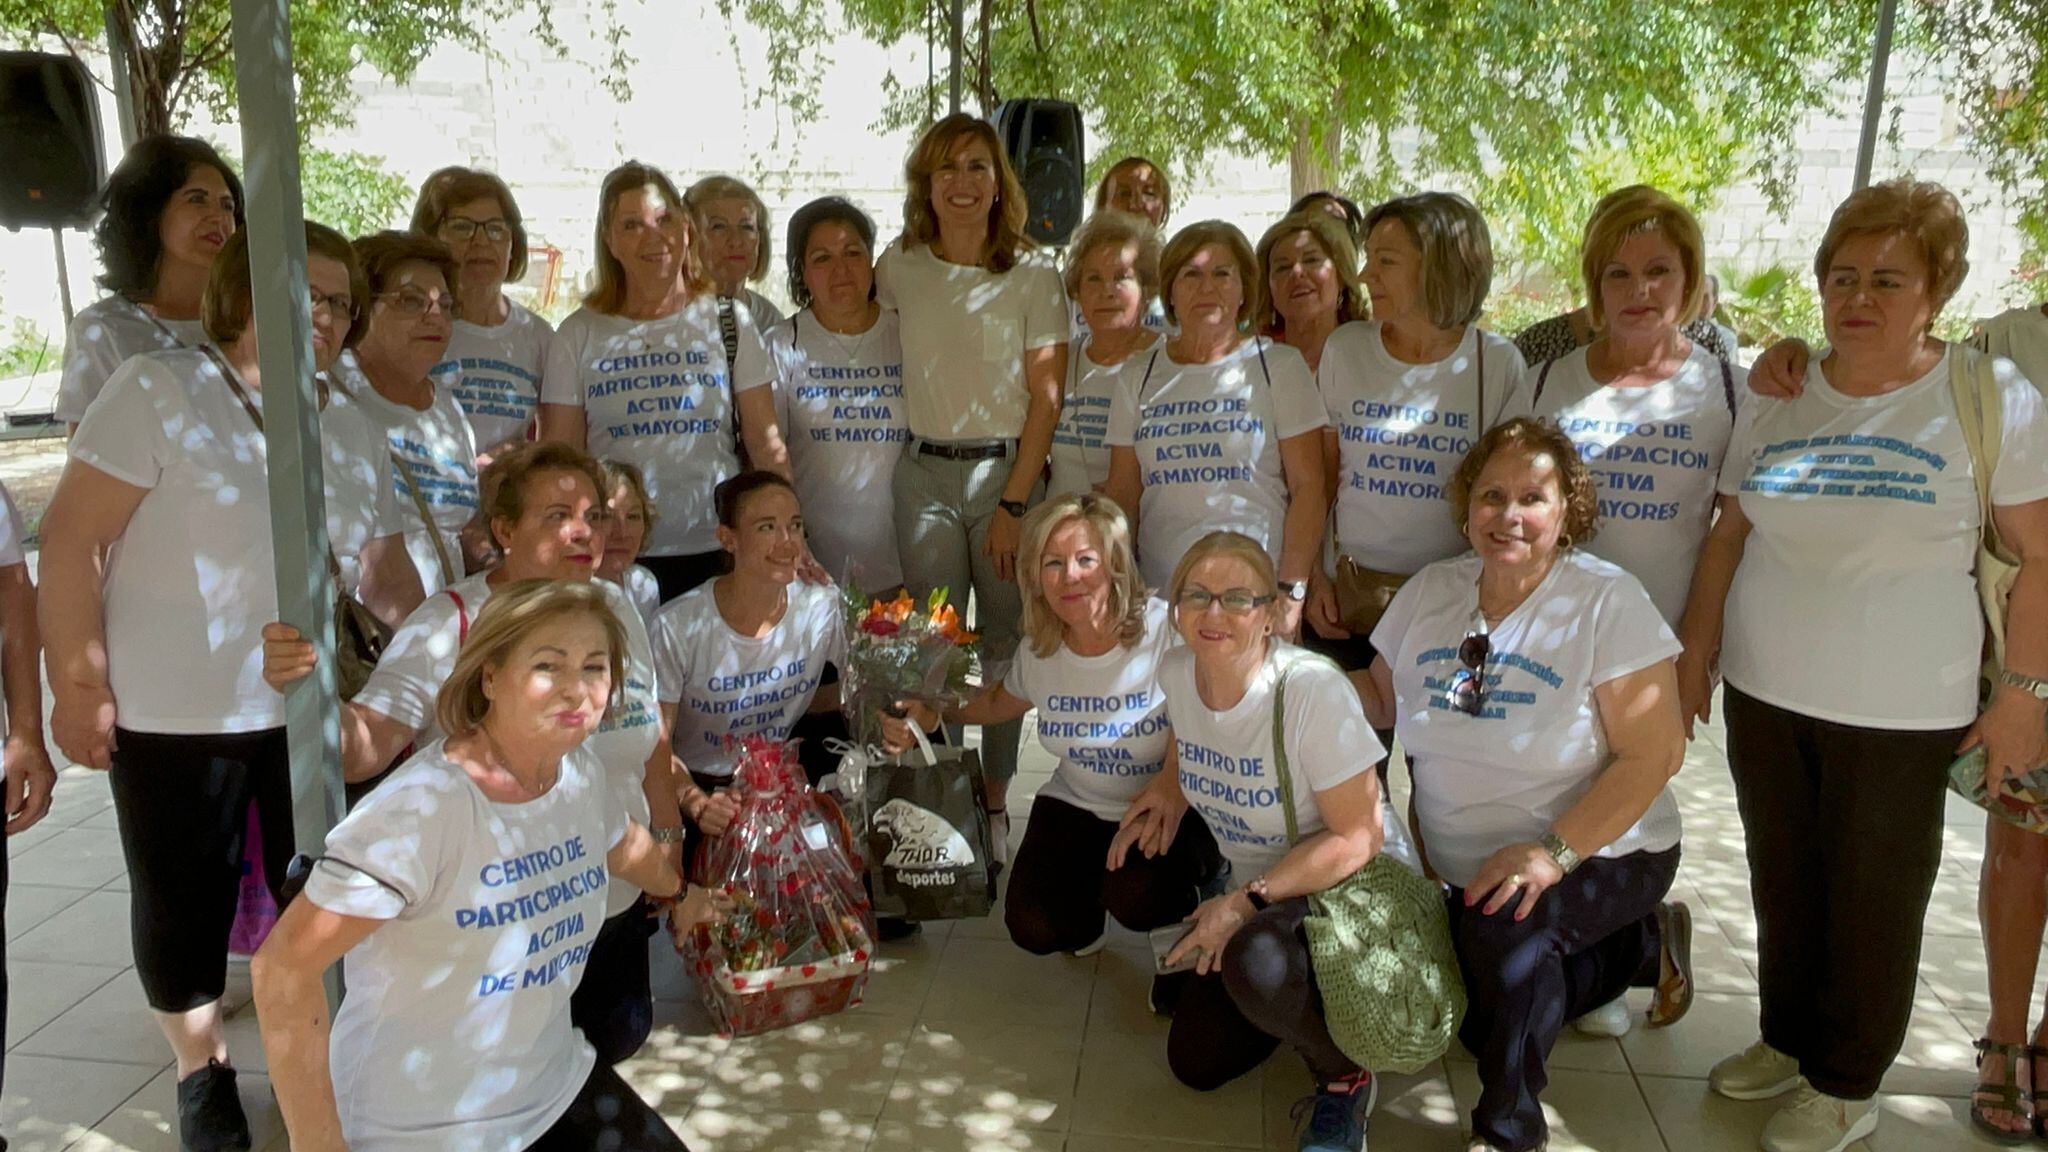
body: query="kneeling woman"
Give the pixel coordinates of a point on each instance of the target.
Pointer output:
(745, 653)
(1089, 662)
(1547, 735)
(455, 1033)
(1287, 787)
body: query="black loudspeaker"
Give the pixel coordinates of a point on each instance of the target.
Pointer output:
(1045, 144)
(50, 134)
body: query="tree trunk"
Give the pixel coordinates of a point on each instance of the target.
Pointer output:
(1312, 161)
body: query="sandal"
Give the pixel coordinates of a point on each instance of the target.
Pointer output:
(1673, 998)
(2004, 1096)
(2035, 1054)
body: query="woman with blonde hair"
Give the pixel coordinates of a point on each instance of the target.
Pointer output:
(630, 516)
(741, 251)
(984, 326)
(1112, 277)
(1835, 592)
(640, 372)
(1090, 666)
(1136, 185)
(1310, 267)
(466, 895)
(1217, 427)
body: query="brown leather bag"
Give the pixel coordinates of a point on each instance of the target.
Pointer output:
(1363, 595)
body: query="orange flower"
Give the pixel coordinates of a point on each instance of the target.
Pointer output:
(900, 608)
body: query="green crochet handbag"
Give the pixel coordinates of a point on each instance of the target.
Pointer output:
(1380, 943)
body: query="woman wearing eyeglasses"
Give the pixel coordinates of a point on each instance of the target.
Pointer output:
(432, 449)
(497, 349)
(1251, 985)
(1534, 688)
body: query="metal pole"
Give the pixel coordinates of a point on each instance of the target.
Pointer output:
(63, 275)
(291, 413)
(119, 60)
(959, 19)
(1873, 98)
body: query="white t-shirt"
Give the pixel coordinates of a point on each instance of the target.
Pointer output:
(102, 337)
(10, 555)
(1226, 758)
(438, 451)
(1080, 452)
(1401, 431)
(422, 654)
(1655, 453)
(840, 402)
(455, 1035)
(2021, 336)
(658, 393)
(764, 312)
(1208, 443)
(192, 580)
(965, 331)
(1483, 782)
(644, 592)
(494, 374)
(1855, 601)
(362, 497)
(724, 684)
(1103, 717)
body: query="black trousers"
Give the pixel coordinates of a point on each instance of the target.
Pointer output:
(675, 575)
(1059, 888)
(1592, 935)
(1844, 834)
(608, 1116)
(1227, 1023)
(614, 1005)
(182, 803)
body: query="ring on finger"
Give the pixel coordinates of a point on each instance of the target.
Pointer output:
(1515, 881)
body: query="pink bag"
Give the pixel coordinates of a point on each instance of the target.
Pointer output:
(255, 911)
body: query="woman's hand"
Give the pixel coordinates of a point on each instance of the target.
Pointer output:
(2014, 738)
(712, 812)
(810, 571)
(30, 781)
(1519, 871)
(1695, 688)
(1323, 613)
(896, 725)
(1150, 823)
(1781, 371)
(1215, 922)
(698, 905)
(287, 656)
(1005, 533)
(82, 724)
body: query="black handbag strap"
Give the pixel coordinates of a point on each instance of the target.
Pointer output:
(729, 332)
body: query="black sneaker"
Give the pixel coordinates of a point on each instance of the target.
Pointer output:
(889, 929)
(1337, 1114)
(210, 1117)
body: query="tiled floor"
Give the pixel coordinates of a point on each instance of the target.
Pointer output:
(966, 1043)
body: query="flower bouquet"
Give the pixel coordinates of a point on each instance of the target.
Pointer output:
(797, 942)
(901, 650)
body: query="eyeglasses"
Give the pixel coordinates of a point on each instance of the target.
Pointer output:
(1236, 601)
(1468, 687)
(462, 229)
(413, 302)
(337, 305)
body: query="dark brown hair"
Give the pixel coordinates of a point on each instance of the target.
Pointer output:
(230, 301)
(1524, 434)
(450, 188)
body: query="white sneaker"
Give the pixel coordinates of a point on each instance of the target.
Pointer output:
(1758, 1072)
(1093, 946)
(1817, 1122)
(1610, 1020)
(999, 837)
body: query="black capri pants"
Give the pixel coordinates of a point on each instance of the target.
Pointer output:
(182, 803)
(608, 1116)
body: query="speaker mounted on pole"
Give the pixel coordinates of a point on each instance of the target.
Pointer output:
(50, 133)
(1045, 144)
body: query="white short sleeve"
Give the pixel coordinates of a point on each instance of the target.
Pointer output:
(1328, 738)
(1297, 406)
(885, 286)
(1046, 320)
(1749, 407)
(751, 367)
(385, 857)
(10, 531)
(671, 669)
(1629, 634)
(2022, 473)
(417, 662)
(124, 433)
(1393, 627)
(1123, 408)
(561, 381)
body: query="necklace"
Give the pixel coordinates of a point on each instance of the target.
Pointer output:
(534, 791)
(850, 353)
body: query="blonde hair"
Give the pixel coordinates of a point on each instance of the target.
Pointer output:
(626, 474)
(711, 188)
(1006, 240)
(1195, 237)
(1040, 625)
(1632, 211)
(513, 613)
(1330, 236)
(1125, 165)
(1921, 210)
(1226, 544)
(1108, 226)
(1457, 252)
(609, 295)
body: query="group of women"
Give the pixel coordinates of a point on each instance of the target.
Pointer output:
(1235, 519)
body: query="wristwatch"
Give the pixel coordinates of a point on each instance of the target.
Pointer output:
(2038, 689)
(1296, 590)
(1015, 508)
(1559, 851)
(671, 835)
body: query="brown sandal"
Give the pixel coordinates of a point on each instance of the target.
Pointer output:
(1673, 998)
(2005, 1096)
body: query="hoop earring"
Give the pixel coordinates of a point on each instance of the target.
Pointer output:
(1564, 541)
